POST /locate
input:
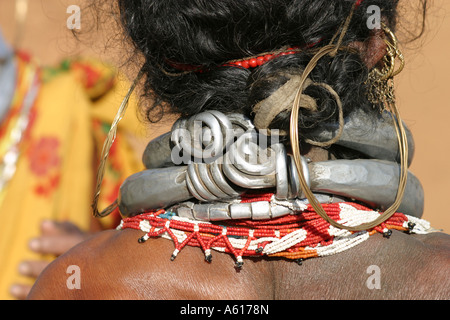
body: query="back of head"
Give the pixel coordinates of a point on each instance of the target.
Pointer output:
(207, 34)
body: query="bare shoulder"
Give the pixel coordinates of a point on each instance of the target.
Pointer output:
(401, 267)
(71, 275)
(110, 265)
(437, 240)
(114, 265)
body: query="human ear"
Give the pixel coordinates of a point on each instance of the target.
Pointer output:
(373, 49)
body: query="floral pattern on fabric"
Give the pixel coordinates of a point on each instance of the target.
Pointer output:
(43, 155)
(59, 153)
(44, 162)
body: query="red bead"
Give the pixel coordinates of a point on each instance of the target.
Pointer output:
(245, 64)
(260, 61)
(253, 63)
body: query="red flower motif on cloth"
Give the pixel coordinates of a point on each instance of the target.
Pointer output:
(43, 155)
(46, 188)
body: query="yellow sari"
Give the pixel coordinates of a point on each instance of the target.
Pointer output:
(53, 175)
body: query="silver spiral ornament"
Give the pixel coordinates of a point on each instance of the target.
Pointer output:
(248, 165)
(206, 182)
(205, 136)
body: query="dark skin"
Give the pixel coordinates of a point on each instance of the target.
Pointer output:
(113, 265)
(55, 239)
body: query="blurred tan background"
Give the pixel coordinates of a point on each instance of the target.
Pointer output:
(422, 87)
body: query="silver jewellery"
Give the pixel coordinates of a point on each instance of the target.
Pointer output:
(207, 162)
(376, 139)
(234, 210)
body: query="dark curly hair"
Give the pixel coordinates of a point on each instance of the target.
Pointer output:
(207, 33)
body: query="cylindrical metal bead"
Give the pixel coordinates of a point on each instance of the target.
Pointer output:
(241, 211)
(260, 210)
(219, 212)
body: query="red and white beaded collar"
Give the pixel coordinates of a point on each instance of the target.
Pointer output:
(294, 237)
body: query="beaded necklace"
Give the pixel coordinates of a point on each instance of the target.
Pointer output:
(295, 237)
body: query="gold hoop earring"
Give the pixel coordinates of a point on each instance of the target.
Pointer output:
(380, 82)
(401, 134)
(105, 152)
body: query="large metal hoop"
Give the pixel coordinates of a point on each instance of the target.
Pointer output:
(295, 138)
